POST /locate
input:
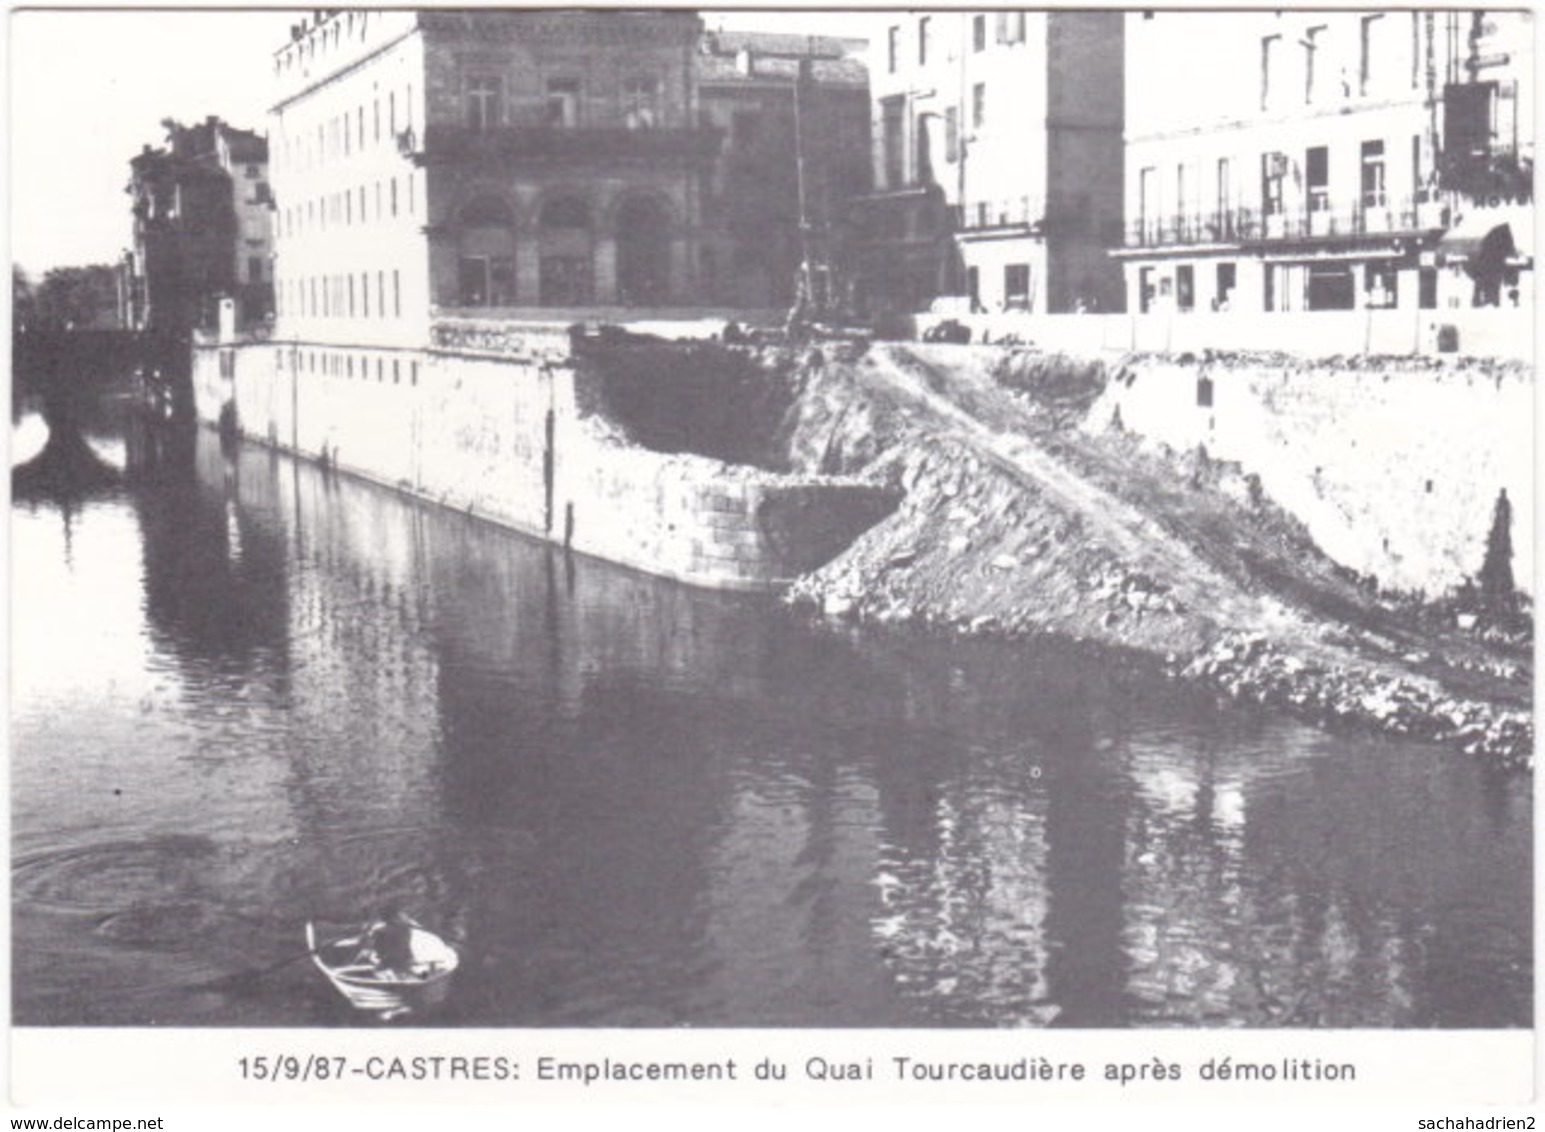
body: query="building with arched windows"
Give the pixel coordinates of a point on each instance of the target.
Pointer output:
(456, 191)
(440, 163)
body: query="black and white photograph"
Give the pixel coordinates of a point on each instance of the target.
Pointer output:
(626, 522)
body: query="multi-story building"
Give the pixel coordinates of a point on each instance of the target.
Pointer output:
(435, 162)
(1327, 159)
(794, 114)
(202, 230)
(997, 159)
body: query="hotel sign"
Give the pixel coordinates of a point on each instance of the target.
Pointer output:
(1486, 201)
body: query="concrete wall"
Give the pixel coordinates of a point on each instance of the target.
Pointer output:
(697, 520)
(1394, 470)
(1506, 333)
(501, 437)
(213, 384)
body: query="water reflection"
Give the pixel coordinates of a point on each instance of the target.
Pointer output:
(640, 804)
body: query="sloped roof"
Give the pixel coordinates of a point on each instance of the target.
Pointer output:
(782, 44)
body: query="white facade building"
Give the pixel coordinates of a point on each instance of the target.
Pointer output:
(352, 255)
(997, 158)
(1319, 160)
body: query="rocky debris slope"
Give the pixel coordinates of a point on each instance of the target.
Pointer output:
(1250, 667)
(1016, 523)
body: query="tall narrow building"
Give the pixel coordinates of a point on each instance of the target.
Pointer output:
(997, 160)
(202, 230)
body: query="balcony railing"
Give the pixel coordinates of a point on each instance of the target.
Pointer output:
(1372, 216)
(1005, 213)
(461, 143)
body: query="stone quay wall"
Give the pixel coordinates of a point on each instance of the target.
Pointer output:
(492, 428)
(692, 518)
(1393, 464)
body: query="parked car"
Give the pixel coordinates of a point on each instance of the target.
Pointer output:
(947, 331)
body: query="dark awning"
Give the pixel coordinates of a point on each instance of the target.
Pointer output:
(1492, 235)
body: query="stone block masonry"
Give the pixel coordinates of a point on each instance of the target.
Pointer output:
(699, 520)
(502, 437)
(1393, 464)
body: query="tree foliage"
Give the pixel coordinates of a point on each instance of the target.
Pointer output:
(68, 298)
(1498, 595)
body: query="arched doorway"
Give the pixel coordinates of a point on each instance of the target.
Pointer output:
(566, 252)
(643, 252)
(486, 254)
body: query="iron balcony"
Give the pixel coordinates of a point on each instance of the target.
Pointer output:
(1373, 216)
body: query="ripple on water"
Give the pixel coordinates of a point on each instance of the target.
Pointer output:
(162, 924)
(154, 917)
(109, 876)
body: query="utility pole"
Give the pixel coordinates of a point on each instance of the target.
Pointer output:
(1435, 143)
(803, 290)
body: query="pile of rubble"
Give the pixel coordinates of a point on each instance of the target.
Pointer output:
(1249, 668)
(990, 542)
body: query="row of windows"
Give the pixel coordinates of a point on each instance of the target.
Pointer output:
(1016, 296)
(383, 200)
(1178, 292)
(1377, 60)
(893, 141)
(321, 39)
(1331, 286)
(336, 296)
(1009, 29)
(1307, 176)
(337, 364)
(486, 106)
(368, 126)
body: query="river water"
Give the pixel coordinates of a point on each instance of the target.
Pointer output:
(246, 694)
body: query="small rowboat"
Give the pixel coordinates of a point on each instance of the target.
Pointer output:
(389, 993)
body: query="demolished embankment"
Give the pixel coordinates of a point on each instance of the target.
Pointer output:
(1016, 521)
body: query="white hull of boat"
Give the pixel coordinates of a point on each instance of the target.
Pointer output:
(387, 993)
